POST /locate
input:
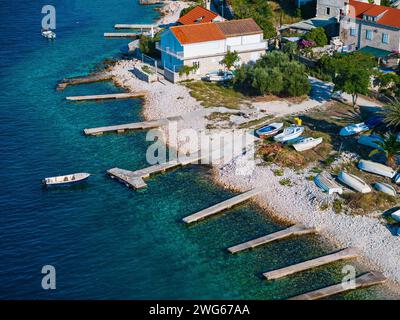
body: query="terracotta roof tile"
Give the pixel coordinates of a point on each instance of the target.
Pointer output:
(391, 16)
(234, 28)
(198, 14)
(194, 33)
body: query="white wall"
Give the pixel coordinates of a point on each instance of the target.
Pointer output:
(204, 48)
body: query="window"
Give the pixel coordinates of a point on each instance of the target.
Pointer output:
(328, 11)
(385, 38)
(353, 32)
(196, 65)
(368, 34)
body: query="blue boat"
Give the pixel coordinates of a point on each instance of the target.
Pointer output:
(269, 130)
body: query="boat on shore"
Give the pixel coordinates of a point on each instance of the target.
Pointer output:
(269, 130)
(353, 129)
(385, 188)
(307, 143)
(377, 168)
(396, 215)
(67, 180)
(219, 76)
(370, 141)
(326, 182)
(290, 133)
(354, 182)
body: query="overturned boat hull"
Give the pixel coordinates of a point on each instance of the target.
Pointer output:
(327, 183)
(376, 168)
(385, 188)
(354, 182)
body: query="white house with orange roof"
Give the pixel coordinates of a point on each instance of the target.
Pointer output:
(204, 45)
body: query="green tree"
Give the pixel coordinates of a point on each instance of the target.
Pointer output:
(290, 48)
(231, 58)
(267, 81)
(318, 36)
(389, 147)
(352, 74)
(391, 113)
(295, 80)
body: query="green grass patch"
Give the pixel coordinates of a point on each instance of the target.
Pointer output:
(337, 206)
(215, 95)
(286, 182)
(367, 202)
(278, 172)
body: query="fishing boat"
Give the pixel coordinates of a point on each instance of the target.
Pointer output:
(326, 182)
(354, 182)
(370, 141)
(289, 133)
(396, 215)
(269, 130)
(66, 180)
(219, 76)
(385, 188)
(377, 168)
(307, 143)
(353, 129)
(48, 34)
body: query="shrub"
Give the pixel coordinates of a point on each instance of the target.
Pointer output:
(286, 182)
(318, 36)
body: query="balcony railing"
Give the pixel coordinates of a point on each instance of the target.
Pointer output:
(167, 50)
(249, 47)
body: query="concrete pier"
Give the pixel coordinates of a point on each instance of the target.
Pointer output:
(122, 34)
(348, 253)
(139, 94)
(295, 230)
(223, 205)
(369, 279)
(135, 26)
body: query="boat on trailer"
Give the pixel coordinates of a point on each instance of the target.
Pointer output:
(326, 182)
(385, 188)
(354, 182)
(269, 130)
(377, 168)
(290, 133)
(67, 180)
(307, 143)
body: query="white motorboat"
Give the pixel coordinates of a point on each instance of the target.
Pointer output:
(269, 130)
(385, 188)
(219, 76)
(377, 168)
(396, 215)
(326, 182)
(307, 143)
(370, 141)
(48, 34)
(289, 133)
(353, 129)
(354, 182)
(69, 179)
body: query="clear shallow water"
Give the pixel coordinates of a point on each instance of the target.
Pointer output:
(105, 240)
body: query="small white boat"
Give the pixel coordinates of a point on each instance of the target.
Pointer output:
(354, 182)
(48, 34)
(307, 143)
(377, 168)
(269, 130)
(289, 134)
(370, 141)
(353, 129)
(69, 179)
(396, 215)
(326, 182)
(219, 76)
(385, 188)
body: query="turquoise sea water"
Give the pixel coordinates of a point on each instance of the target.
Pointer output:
(105, 240)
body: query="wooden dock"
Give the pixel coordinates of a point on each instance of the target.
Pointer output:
(295, 230)
(369, 279)
(108, 96)
(223, 205)
(126, 127)
(135, 26)
(122, 34)
(348, 253)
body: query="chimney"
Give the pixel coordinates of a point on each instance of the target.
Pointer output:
(208, 4)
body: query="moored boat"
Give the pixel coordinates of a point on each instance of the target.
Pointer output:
(326, 182)
(370, 141)
(289, 133)
(385, 188)
(48, 34)
(66, 180)
(307, 143)
(354, 182)
(377, 168)
(269, 130)
(353, 129)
